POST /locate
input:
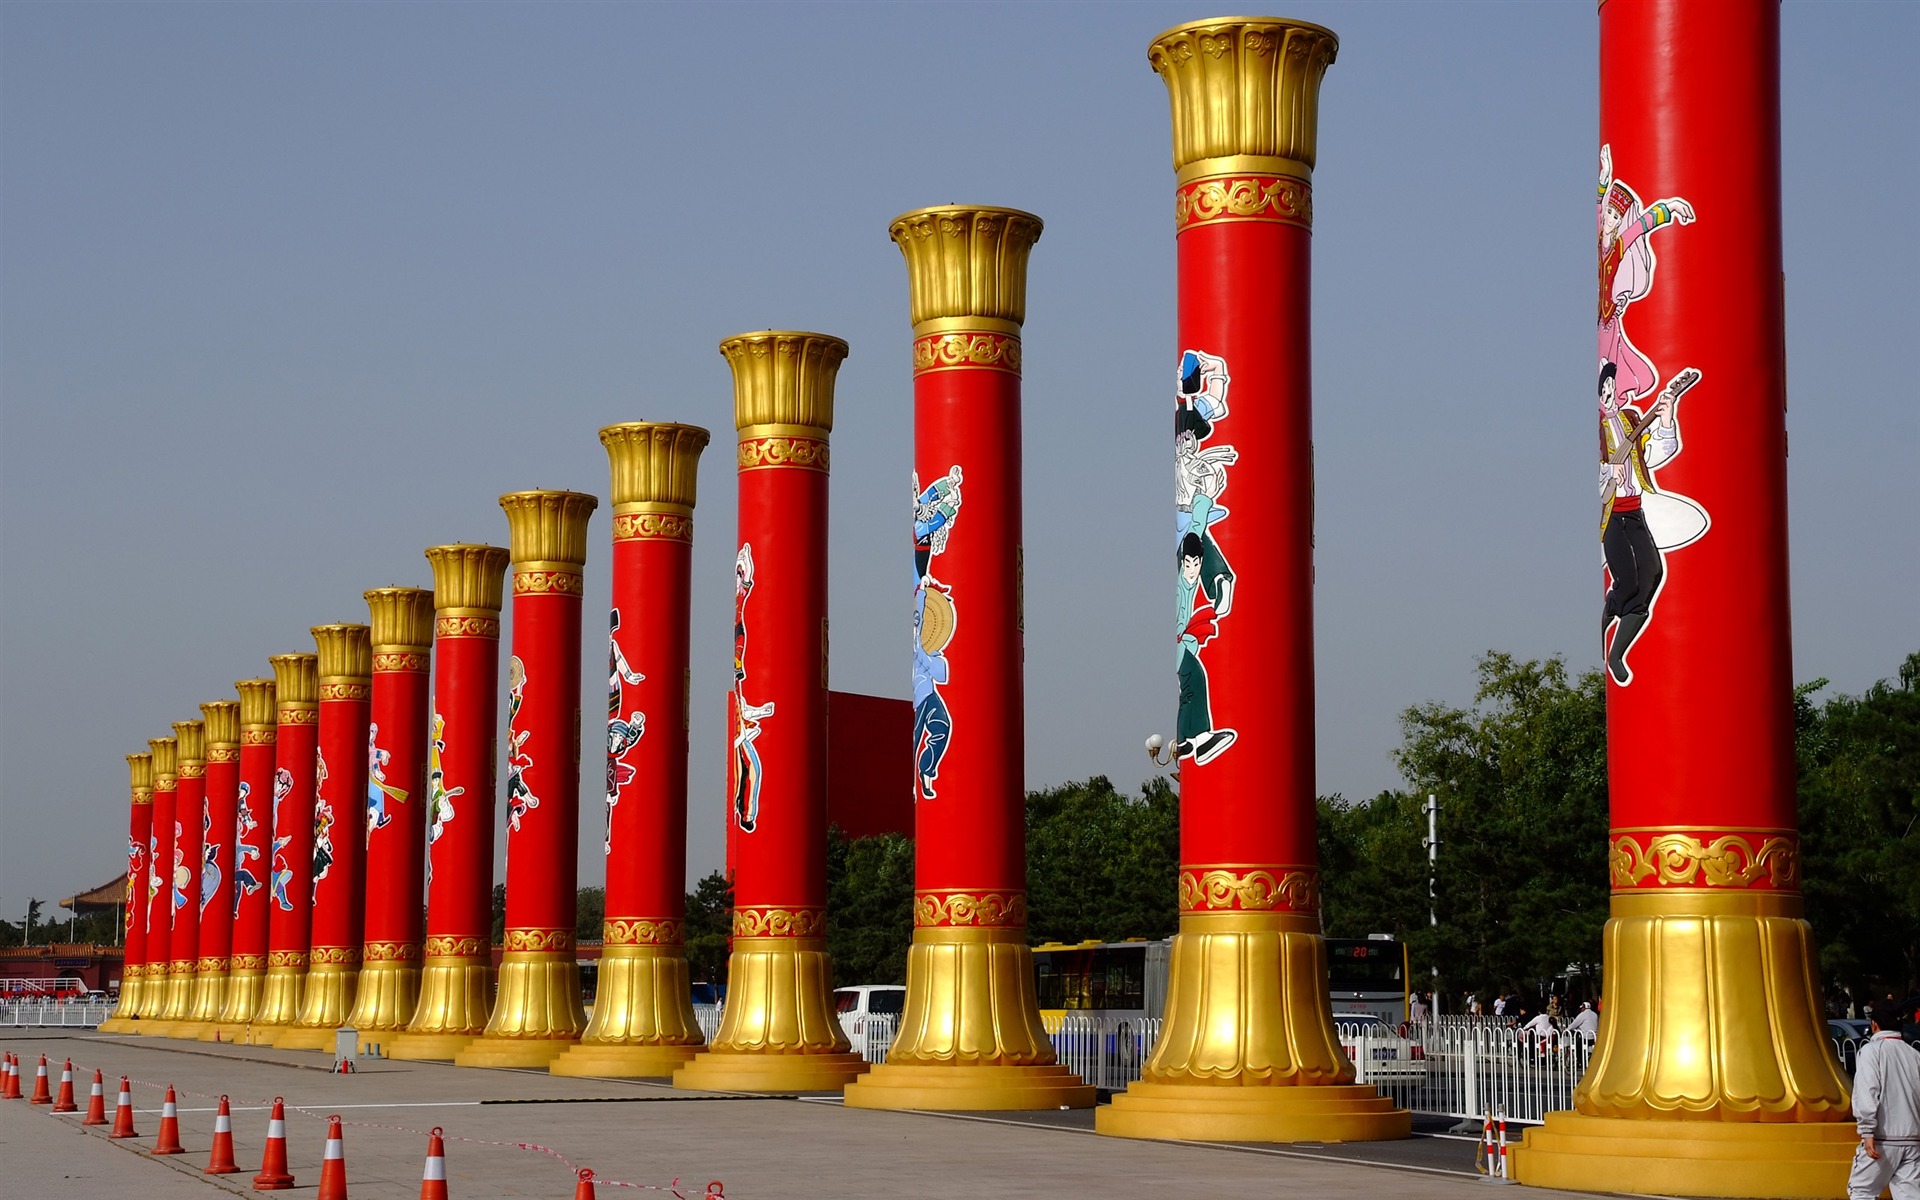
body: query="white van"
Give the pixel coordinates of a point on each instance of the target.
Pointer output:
(857, 1005)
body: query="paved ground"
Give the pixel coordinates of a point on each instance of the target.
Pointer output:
(645, 1134)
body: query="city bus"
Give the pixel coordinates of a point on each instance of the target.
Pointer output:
(1368, 975)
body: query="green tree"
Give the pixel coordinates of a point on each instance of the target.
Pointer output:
(709, 928)
(589, 913)
(1102, 864)
(870, 899)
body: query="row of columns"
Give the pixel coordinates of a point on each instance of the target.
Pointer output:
(1710, 1046)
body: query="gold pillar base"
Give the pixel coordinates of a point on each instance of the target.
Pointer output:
(179, 997)
(280, 997)
(209, 998)
(456, 995)
(643, 1024)
(427, 1047)
(1787, 1161)
(324, 1005)
(154, 1027)
(970, 1036)
(118, 1025)
(779, 1032)
(389, 992)
(126, 1012)
(1248, 1052)
(245, 986)
(536, 1015)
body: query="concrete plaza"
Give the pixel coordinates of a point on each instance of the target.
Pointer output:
(791, 1148)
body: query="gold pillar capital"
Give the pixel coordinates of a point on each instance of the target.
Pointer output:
(140, 774)
(256, 703)
(401, 619)
(190, 742)
(346, 653)
(784, 377)
(163, 754)
(966, 261)
(1244, 87)
(296, 680)
(222, 720)
(654, 462)
(548, 527)
(468, 575)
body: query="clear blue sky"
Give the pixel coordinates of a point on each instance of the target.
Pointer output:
(292, 291)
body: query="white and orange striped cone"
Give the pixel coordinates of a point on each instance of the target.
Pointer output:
(333, 1166)
(123, 1113)
(96, 1101)
(10, 1079)
(220, 1159)
(64, 1101)
(433, 1181)
(168, 1141)
(584, 1189)
(40, 1093)
(273, 1176)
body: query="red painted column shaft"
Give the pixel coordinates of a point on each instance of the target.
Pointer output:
(133, 917)
(214, 897)
(189, 824)
(252, 833)
(290, 855)
(159, 905)
(397, 776)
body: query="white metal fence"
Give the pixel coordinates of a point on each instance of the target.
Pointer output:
(707, 1016)
(79, 1016)
(1463, 1067)
(1107, 1052)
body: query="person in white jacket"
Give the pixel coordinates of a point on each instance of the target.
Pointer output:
(1886, 1109)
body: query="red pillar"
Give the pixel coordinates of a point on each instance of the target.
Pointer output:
(643, 1022)
(290, 856)
(402, 623)
(456, 978)
(166, 787)
(1248, 1051)
(252, 841)
(779, 1031)
(212, 897)
(339, 841)
(970, 1037)
(1712, 1051)
(537, 1013)
(181, 870)
(133, 967)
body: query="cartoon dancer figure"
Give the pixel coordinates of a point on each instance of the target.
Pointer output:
(282, 874)
(209, 860)
(520, 797)
(933, 623)
(136, 867)
(1200, 473)
(934, 511)
(245, 882)
(1632, 448)
(746, 716)
(322, 824)
(1626, 272)
(439, 795)
(623, 734)
(182, 873)
(282, 788)
(153, 867)
(378, 789)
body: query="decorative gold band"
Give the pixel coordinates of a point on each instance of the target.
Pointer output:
(539, 939)
(389, 952)
(1236, 887)
(165, 783)
(1766, 859)
(193, 770)
(447, 946)
(345, 690)
(801, 446)
(264, 736)
(1242, 164)
(968, 324)
(299, 714)
(143, 795)
(779, 922)
(652, 527)
(641, 931)
(223, 754)
(545, 583)
(211, 964)
(335, 956)
(952, 907)
(1705, 902)
(1220, 199)
(133, 970)
(287, 958)
(247, 962)
(466, 627)
(405, 662)
(972, 349)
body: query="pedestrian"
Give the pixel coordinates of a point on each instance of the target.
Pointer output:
(1886, 1109)
(1540, 1028)
(1417, 1009)
(1586, 1022)
(1500, 1005)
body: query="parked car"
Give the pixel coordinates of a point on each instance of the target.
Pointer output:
(1378, 1050)
(855, 1005)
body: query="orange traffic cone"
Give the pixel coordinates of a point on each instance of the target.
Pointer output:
(123, 1113)
(64, 1101)
(433, 1183)
(40, 1093)
(333, 1165)
(9, 1083)
(273, 1176)
(584, 1189)
(96, 1102)
(220, 1161)
(169, 1140)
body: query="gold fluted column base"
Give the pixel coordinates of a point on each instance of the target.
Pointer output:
(177, 1002)
(970, 1037)
(1712, 1074)
(245, 987)
(209, 999)
(643, 1024)
(779, 1032)
(280, 997)
(456, 996)
(125, 1014)
(324, 1005)
(536, 1016)
(1247, 1051)
(388, 994)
